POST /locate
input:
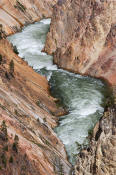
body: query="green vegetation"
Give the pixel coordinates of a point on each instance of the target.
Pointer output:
(16, 138)
(15, 144)
(15, 50)
(16, 112)
(7, 76)
(38, 103)
(4, 160)
(11, 67)
(0, 35)
(0, 31)
(11, 159)
(4, 130)
(5, 148)
(20, 6)
(0, 59)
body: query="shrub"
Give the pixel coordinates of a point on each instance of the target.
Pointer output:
(11, 159)
(0, 35)
(4, 130)
(15, 50)
(11, 67)
(16, 138)
(20, 6)
(7, 75)
(5, 148)
(4, 160)
(15, 144)
(0, 58)
(14, 147)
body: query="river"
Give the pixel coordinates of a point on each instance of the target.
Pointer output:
(82, 96)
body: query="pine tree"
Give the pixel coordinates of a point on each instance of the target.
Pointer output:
(11, 67)
(4, 130)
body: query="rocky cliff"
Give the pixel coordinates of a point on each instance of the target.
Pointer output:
(100, 157)
(28, 113)
(82, 40)
(82, 37)
(16, 13)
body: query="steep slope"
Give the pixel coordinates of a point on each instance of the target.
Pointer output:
(28, 145)
(82, 37)
(100, 157)
(27, 109)
(16, 13)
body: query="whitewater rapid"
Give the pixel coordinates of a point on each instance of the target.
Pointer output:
(82, 96)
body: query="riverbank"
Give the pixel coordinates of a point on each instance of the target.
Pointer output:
(82, 96)
(108, 65)
(99, 158)
(82, 39)
(27, 110)
(20, 90)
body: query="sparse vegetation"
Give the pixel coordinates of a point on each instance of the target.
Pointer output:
(0, 31)
(15, 144)
(0, 59)
(14, 147)
(4, 160)
(38, 103)
(11, 67)
(16, 138)
(5, 148)
(4, 130)
(7, 75)
(11, 159)
(20, 6)
(15, 50)
(0, 35)
(16, 112)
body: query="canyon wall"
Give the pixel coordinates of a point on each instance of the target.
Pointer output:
(82, 37)
(100, 157)
(28, 113)
(82, 40)
(16, 13)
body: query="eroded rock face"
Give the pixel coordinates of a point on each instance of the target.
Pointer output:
(82, 37)
(28, 110)
(26, 105)
(100, 157)
(16, 13)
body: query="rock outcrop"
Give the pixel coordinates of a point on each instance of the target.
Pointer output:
(100, 157)
(16, 13)
(82, 37)
(29, 112)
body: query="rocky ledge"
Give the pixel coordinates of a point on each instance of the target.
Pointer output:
(82, 39)
(100, 157)
(28, 113)
(16, 13)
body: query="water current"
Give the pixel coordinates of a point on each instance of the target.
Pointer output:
(82, 96)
